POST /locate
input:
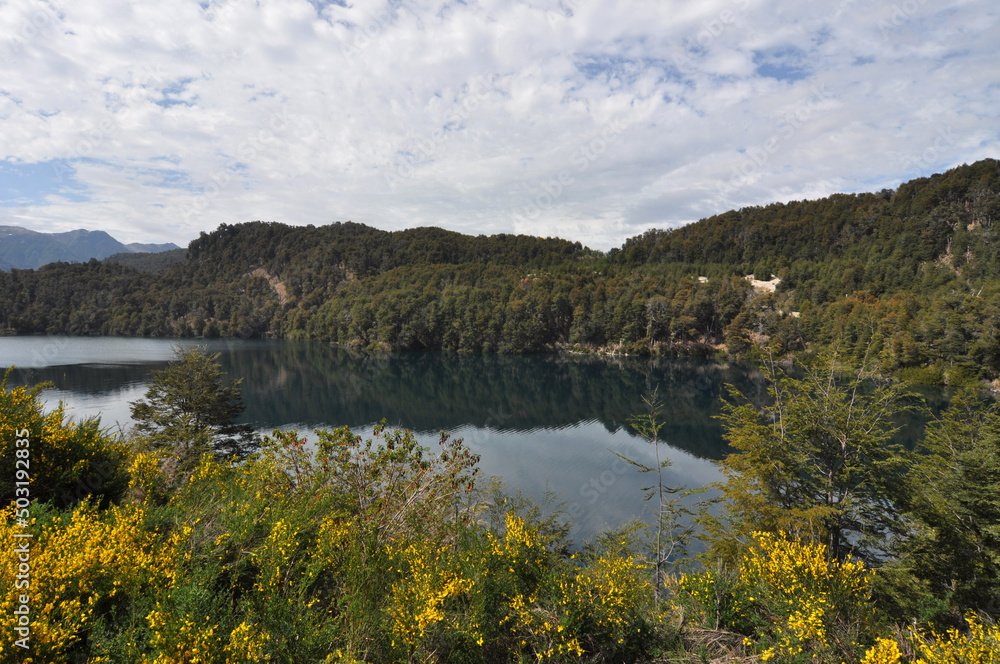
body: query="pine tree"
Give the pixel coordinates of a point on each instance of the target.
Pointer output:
(189, 410)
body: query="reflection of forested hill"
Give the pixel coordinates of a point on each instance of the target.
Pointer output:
(87, 378)
(910, 273)
(311, 385)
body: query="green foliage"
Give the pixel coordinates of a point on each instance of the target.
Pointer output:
(911, 273)
(64, 461)
(389, 481)
(955, 544)
(816, 462)
(792, 602)
(351, 551)
(671, 534)
(188, 410)
(379, 550)
(149, 262)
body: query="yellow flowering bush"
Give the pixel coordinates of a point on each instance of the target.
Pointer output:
(539, 631)
(707, 599)
(178, 637)
(605, 603)
(503, 600)
(471, 601)
(181, 639)
(791, 597)
(275, 556)
(247, 643)
(331, 549)
(519, 548)
(428, 583)
(799, 583)
(885, 651)
(511, 568)
(77, 569)
(979, 645)
(146, 481)
(506, 600)
(208, 468)
(66, 461)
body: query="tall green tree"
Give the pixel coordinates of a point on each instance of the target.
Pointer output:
(817, 461)
(189, 409)
(955, 544)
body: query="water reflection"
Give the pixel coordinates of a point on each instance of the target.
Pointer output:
(314, 384)
(541, 422)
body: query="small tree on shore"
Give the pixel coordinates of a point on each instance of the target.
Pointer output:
(189, 410)
(671, 534)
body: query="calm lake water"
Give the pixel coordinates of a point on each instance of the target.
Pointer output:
(542, 422)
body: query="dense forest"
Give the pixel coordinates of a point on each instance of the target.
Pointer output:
(910, 273)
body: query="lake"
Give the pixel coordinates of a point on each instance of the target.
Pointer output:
(541, 422)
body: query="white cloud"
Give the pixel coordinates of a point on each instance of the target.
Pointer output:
(178, 117)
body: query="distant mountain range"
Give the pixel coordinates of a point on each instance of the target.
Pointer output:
(26, 249)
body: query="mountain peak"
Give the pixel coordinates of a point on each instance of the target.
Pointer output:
(23, 248)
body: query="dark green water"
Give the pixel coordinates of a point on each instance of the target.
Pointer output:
(543, 422)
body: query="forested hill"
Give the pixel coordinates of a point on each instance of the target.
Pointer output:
(366, 251)
(918, 222)
(914, 271)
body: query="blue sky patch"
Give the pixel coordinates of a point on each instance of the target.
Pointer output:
(166, 178)
(170, 178)
(627, 70)
(320, 5)
(30, 184)
(783, 64)
(172, 94)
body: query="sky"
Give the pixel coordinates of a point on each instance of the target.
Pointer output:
(589, 120)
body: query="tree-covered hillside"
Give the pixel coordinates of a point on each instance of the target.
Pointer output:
(145, 261)
(913, 224)
(911, 273)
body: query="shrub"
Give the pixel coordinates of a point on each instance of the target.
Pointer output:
(83, 566)
(790, 600)
(66, 462)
